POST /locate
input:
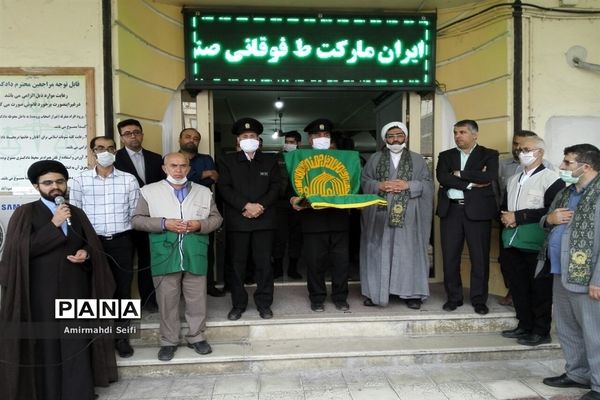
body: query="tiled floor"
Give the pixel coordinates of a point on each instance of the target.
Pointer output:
(500, 380)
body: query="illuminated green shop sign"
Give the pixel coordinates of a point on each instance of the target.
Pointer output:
(225, 50)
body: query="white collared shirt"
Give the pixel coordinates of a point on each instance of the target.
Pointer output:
(395, 157)
(137, 157)
(109, 202)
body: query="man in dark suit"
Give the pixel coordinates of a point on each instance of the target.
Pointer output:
(466, 207)
(146, 166)
(249, 186)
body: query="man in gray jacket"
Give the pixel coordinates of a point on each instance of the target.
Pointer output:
(573, 248)
(179, 216)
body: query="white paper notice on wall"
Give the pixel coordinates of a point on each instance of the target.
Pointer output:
(42, 116)
(565, 131)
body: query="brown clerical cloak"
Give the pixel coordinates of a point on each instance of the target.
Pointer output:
(33, 271)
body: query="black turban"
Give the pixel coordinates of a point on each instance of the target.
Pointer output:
(40, 168)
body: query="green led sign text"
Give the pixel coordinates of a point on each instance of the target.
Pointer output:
(225, 50)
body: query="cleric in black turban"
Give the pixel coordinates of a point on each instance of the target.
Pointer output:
(42, 167)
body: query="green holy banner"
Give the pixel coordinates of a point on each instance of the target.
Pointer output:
(328, 178)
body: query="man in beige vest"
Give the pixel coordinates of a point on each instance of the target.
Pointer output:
(179, 215)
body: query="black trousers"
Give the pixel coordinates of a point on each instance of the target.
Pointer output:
(238, 246)
(319, 250)
(288, 233)
(119, 251)
(454, 229)
(141, 246)
(503, 265)
(532, 296)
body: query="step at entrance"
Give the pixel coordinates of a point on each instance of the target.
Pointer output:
(299, 338)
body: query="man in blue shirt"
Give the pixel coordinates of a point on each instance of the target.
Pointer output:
(203, 170)
(573, 249)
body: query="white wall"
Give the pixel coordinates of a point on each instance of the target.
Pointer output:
(567, 131)
(561, 102)
(54, 33)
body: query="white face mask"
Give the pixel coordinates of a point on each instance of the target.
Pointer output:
(249, 145)
(321, 143)
(174, 181)
(105, 159)
(395, 148)
(289, 147)
(526, 159)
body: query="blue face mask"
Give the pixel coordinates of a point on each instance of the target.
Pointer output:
(567, 176)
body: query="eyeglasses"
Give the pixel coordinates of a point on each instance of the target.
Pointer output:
(525, 150)
(130, 134)
(395, 136)
(102, 149)
(59, 182)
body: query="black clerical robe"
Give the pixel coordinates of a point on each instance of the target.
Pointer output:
(33, 272)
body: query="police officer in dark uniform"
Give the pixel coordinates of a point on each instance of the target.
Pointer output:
(249, 186)
(324, 236)
(288, 231)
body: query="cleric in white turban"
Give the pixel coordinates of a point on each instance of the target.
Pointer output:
(395, 238)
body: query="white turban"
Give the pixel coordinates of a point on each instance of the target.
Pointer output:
(394, 124)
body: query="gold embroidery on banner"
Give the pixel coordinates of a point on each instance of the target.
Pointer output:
(334, 182)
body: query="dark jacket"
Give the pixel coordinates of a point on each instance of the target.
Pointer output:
(481, 167)
(241, 182)
(198, 164)
(152, 165)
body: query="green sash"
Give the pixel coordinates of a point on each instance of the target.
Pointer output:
(404, 172)
(581, 240)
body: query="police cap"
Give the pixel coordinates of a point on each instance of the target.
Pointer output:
(293, 134)
(319, 125)
(246, 125)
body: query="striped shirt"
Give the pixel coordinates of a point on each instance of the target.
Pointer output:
(108, 202)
